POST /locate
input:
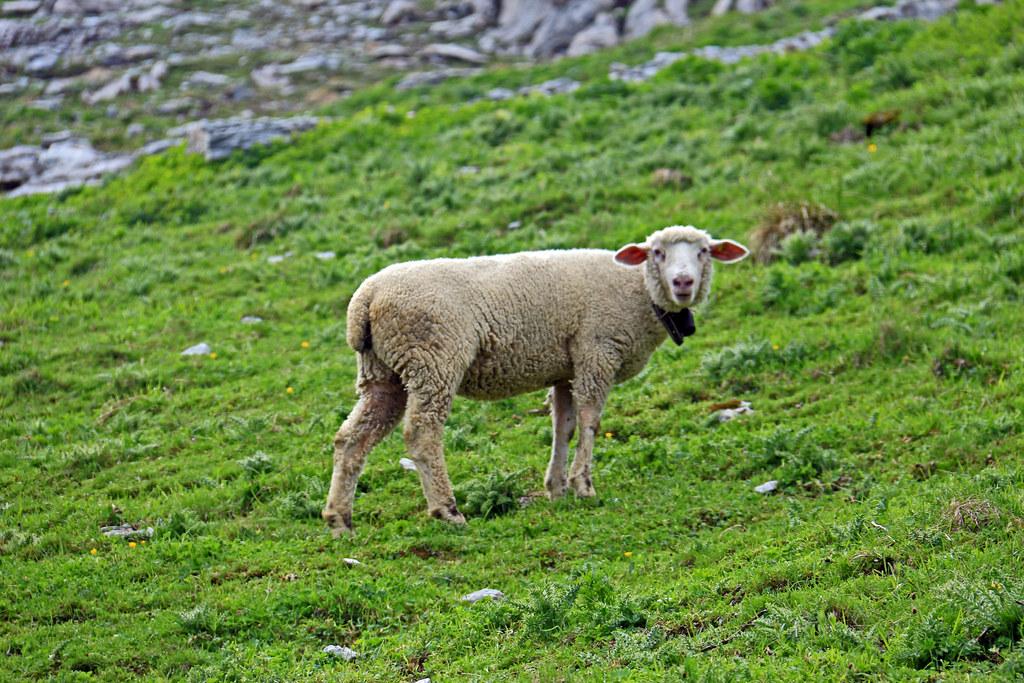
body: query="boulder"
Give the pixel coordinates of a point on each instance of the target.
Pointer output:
(454, 52)
(603, 33)
(20, 8)
(646, 15)
(134, 80)
(398, 11)
(218, 139)
(418, 79)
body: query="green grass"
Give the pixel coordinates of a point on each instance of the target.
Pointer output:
(885, 374)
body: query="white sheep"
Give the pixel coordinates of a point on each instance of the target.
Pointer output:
(496, 326)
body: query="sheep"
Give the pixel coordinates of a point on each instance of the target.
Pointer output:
(577, 321)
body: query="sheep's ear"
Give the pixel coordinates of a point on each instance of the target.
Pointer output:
(728, 251)
(631, 255)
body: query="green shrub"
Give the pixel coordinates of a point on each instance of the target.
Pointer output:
(495, 494)
(799, 247)
(846, 241)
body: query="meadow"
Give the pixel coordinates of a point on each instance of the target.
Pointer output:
(879, 347)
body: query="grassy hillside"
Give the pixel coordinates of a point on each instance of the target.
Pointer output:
(883, 361)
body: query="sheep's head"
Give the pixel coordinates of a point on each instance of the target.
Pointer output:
(677, 264)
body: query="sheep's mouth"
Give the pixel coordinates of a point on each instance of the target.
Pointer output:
(683, 296)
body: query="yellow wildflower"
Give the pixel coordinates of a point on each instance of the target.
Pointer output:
(608, 435)
(872, 148)
(289, 390)
(775, 347)
(213, 355)
(65, 283)
(93, 551)
(628, 553)
(132, 544)
(304, 344)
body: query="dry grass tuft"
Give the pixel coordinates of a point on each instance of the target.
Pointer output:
(782, 220)
(971, 514)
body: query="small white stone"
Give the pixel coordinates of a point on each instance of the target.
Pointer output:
(407, 464)
(251, 320)
(351, 561)
(200, 349)
(479, 595)
(767, 487)
(277, 258)
(345, 653)
(515, 225)
(325, 255)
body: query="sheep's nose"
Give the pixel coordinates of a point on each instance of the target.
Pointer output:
(682, 282)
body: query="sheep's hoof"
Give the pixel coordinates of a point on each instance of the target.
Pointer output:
(556, 488)
(448, 513)
(339, 524)
(583, 487)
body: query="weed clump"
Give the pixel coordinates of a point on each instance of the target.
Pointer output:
(782, 220)
(751, 356)
(496, 494)
(971, 621)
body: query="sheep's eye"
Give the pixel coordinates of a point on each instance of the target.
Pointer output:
(704, 251)
(659, 254)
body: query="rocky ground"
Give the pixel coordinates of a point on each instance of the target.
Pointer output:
(134, 75)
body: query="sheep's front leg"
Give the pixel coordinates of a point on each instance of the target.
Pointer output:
(379, 408)
(563, 423)
(580, 478)
(590, 389)
(424, 430)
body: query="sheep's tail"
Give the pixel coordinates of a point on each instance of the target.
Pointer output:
(358, 327)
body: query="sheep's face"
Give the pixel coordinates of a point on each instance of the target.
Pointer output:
(677, 264)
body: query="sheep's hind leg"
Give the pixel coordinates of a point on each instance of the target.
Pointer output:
(424, 430)
(376, 413)
(563, 423)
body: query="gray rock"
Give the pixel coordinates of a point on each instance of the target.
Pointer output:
(310, 62)
(646, 15)
(350, 561)
(14, 87)
(134, 130)
(407, 464)
(42, 64)
(176, 105)
(499, 94)
(205, 79)
(57, 166)
(20, 8)
(268, 78)
(18, 165)
(398, 11)
(278, 258)
(59, 86)
(767, 487)
(47, 103)
(562, 23)
(341, 651)
(128, 532)
(325, 255)
(453, 51)
(251, 320)
(156, 147)
(219, 138)
(603, 33)
(132, 81)
(186, 20)
(419, 79)
(200, 349)
(147, 15)
(477, 596)
(556, 86)
(388, 51)
(728, 414)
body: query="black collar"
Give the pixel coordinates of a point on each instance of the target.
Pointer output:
(679, 325)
